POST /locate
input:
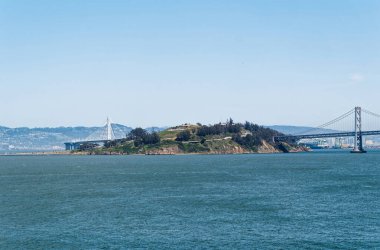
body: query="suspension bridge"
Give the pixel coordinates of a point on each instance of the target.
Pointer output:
(355, 123)
(99, 137)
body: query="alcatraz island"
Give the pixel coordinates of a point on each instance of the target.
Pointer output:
(220, 138)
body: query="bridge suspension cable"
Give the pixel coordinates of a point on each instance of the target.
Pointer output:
(372, 120)
(332, 122)
(337, 119)
(104, 133)
(370, 113)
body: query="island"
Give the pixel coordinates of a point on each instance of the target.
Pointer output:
(220, 138)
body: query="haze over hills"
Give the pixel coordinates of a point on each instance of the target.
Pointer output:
(294, 130)
(37, 139)
(290, 130)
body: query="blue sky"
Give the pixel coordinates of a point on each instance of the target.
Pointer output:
(166, 62)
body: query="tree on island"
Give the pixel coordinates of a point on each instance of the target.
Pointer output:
(183, 136)
(142, 137)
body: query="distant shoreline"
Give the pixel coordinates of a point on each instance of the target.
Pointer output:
(36, 153)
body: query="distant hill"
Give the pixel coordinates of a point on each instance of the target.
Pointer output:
(155, 129)
(294, 130)
(38, 139)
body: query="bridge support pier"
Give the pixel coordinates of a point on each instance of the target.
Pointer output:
(358, 140)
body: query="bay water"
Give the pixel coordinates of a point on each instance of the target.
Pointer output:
(318, 200)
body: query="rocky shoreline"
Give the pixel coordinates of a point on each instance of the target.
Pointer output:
(224, 149)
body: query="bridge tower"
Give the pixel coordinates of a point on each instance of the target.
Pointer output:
(110, 134)
(358, 140)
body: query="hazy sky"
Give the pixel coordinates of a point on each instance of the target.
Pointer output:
(166, 62)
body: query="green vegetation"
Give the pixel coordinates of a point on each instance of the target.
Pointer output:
(193, 148)
(183, 136)
(141, 137)
(219, 138)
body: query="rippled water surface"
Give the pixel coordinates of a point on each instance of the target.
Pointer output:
(310, 200)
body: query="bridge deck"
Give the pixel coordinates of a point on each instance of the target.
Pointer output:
(327, 135)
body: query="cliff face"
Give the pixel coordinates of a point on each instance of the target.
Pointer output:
(223, 148)
(267, 148)
(171, 150)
